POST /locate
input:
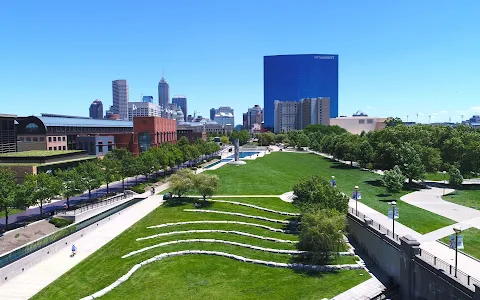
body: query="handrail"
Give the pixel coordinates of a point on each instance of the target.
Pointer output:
(89, 206)
(379, 227)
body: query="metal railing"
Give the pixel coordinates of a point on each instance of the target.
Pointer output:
(89, 206)
(375, 225)
(446, 268)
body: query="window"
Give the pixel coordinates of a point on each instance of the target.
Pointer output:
(32, 127)
(54, 138)
(100, 147)
(50, 139)
(54, 148)
(63, 139)
(21, 139)
(28, 139)
(110, 146)
(42, 139)
(64, 147)
(361, 121)
(35, 139)
(369, 121)
(49, 148)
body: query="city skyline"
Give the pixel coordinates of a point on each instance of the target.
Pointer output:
(395, 63)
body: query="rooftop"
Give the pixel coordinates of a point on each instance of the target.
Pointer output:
(83, 122)
(39, 153)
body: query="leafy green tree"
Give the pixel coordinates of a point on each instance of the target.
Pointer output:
(389, 122)
(411, 164)
(41, 188)
(456, 178)
(72, 183)
(111, 169)
(182, 142)
(224, 140)
(364, 154)
(10, 193)
(201, 146)
(431, 158)
(321, 233)
(318, 192)
(302, 141)
(393, 180)
(279, 138)
(182, 182)
(148, 163)
(91, 175)
(206, 184)
(125, 160)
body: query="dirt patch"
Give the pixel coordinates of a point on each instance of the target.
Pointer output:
(22, 236)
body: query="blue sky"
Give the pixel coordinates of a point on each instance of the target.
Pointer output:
(395, 57)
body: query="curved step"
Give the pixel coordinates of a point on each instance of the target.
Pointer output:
(279, 251)
(238, 215)
(218, 231)
(257, 207)
(221, 222)
(321, 268)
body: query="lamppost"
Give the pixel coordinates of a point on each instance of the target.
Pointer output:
(393, 218)
(457, 230)
(356, 200)
(444, 182)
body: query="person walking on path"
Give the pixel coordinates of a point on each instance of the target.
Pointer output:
(74, 250)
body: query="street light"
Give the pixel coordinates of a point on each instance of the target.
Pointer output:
(356, 200)
(393, 218)
(457, 230)
(444, 182)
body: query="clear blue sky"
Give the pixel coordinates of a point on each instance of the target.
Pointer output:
(395, 57)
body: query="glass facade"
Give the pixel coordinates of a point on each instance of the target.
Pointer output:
(293, 77)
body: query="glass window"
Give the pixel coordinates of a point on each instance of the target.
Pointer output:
(35, 139)
(54, 148)
(49, 138)
(32, 127)
(28, 139)
(361, 121)
(144, 141)
(49, 148)
(369, 121)
(63, 139)
(21, 139)
(100, 146)
(42, 139)
(64, 147)
(54, 138)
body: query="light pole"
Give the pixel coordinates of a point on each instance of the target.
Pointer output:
(356, 200)
(457, 230)
(393, 218)
(444, 182)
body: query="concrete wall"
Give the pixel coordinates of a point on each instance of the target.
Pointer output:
(19, 266)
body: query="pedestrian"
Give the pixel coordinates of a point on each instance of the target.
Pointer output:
(74, 250)
(153, 190)
(65, 206)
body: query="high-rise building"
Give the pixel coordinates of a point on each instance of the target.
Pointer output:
(212, 113)
(253, 116)
(181, 101)
(147, 99)
(96, 110)
(294, 77)
(120, 98)
(163, 93)
(224, 115)
(143, 109)
(293, 115)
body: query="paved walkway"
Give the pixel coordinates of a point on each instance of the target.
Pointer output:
(38, 277)
(363, 291)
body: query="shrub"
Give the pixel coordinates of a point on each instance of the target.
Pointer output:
(318, 192)
(456, 178)
(139, 189)
(60, 222)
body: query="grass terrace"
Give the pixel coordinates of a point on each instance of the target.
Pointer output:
(39, 153)
(467, 195)
(277, 172)
(471, 241)
(201, 276)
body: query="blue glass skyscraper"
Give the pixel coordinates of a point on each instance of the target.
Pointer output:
(293, 77)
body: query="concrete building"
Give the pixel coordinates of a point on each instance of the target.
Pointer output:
(205, 125)
(152, 131)
(120, 98)
(224, 115)
(142, 109)
(163, 93)
(293, 115)
(96, 110)
(191, 134)
(253, 118)
(147, 99)
(357, 124)
(8, 136)
(213, 111)
(96, 145)
(181, 102)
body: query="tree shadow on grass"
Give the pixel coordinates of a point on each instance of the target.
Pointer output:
(342, 166)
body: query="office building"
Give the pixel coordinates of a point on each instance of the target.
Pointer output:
(96, 144)
(293, 115)
(224, 115)
(152, 131)
(357, 124)
(143, 109)
(163, 93)
(147, 99)
(252, 117)
(120, 98)
(200, 124)
(8, 136)
(181, 102)
(294, 77)
(212, 113)
(96, 110)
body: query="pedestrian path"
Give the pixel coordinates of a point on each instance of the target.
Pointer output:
(33, 280)
(363, 291)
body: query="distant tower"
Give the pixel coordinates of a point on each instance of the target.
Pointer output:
(163, 93)
(96, 110)
(181, 101)
(213, 111)
(120, 98)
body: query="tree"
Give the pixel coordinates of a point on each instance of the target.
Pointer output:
(10, 196)
(182, 142)
(91, 175)
(224, 140)
(181, 182)
(147, 163)
(41, 188)
(318, 192)
(72, 183)
(125, 160)
(364, 154)
(411, 164)
(456, 178)
(206, 184)
(321, 233)
(393, 180)
(111, 169)
(390, 122)
(302, 141)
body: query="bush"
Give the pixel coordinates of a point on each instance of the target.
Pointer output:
(318, 192)
(456, 178)
(139, 189)
(60, 222)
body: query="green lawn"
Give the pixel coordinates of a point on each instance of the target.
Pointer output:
(277, 172)
(471, 241)
(14, 211)
(436, 176)
(38, 153)
(201, 277)
(468, 195)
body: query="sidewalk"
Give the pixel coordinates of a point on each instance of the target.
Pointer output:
(38, 277)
